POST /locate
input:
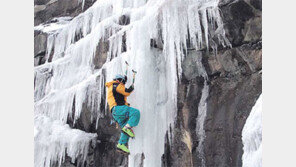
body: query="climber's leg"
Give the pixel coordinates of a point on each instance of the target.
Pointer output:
(127, 117)
(122, 143)
(123, 113)
(123, 148)
(123, 138)
(134, 118)
(120, 114)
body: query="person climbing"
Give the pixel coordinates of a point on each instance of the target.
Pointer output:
(126, 116)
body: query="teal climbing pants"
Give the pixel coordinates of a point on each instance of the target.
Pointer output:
(125, 115)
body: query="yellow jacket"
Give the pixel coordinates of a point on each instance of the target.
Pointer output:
(117, 93)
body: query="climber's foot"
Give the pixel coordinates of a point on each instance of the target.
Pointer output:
(122, 149)
(128, 131)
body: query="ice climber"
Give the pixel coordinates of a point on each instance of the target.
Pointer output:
(126, 116)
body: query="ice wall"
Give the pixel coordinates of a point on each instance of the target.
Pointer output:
(68, 79)
(252, 137)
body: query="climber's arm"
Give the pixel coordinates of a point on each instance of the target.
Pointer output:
(124, 91)
(130, 89)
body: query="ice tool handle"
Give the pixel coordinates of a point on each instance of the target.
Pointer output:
(134, 72)
(134, 75)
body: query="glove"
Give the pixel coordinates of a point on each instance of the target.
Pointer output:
(131, 88)
(124, 80)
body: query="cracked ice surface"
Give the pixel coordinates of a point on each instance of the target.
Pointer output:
(69, 78)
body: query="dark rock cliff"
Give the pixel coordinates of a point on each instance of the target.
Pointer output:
(45, 10)
(234, 80)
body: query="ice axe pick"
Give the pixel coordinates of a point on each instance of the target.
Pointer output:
(134, 72)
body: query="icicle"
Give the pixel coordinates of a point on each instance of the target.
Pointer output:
(54, 139)
(82, 3)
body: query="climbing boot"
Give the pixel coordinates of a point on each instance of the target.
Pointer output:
(128, 131)
(122, 148)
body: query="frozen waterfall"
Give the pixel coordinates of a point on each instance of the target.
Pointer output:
(69, 81)
(252, 137)
(202, 111)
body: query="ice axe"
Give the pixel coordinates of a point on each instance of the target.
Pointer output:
(126, 67)
(134, 75)
(134, 72)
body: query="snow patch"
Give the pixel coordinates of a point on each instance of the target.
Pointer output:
(54, 25)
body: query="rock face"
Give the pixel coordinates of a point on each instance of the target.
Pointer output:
(45, 10)
(234, 80)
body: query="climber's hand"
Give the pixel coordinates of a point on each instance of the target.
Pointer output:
(131, 88)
